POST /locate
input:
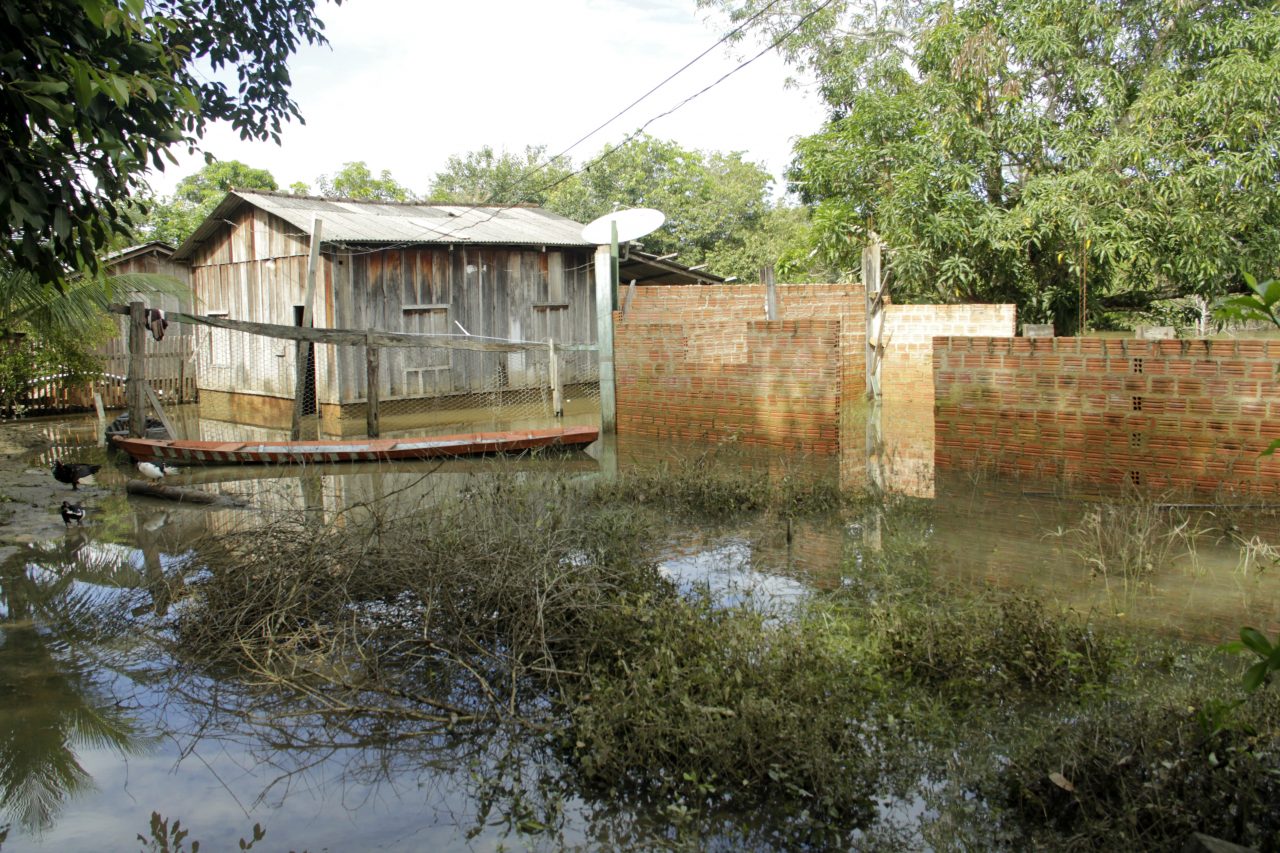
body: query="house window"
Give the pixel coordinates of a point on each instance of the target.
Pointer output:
(424, 364)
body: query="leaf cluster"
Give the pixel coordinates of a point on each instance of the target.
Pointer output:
(1071, 156)
(98, 91)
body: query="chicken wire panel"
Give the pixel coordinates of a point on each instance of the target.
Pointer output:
(236, 366)
(252, 379)
(445, 388)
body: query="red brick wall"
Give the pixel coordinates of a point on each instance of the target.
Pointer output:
(1180, 414)
(700, 363)
(909, 330)
(743, 303)
(675, 382)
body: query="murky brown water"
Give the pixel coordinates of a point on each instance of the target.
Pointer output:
(91, 743)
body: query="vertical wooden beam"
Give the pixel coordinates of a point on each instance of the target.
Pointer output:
(770, 293)
(102, 418)
(631, 294)
(300, 350)
(557, 390)
(137, 375)
(604, 339)
(875, 316)
(372, 357)
(155, 404)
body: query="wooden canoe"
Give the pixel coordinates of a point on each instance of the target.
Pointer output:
(351, 450)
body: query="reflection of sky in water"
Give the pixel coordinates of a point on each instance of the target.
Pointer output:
(725, 572)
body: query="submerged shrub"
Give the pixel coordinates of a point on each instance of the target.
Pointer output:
(707, 704)
(1132, 776)
(981, 645)
(715, 487)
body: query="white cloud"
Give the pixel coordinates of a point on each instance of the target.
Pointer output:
(406, 83)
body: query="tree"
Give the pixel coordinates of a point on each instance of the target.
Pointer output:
(781, 240)
(174, 218)
(483, 177)
(1068, 155)
(96, 92)
(354, 180)
(711, 200)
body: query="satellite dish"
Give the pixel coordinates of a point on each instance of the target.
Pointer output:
(632, 224)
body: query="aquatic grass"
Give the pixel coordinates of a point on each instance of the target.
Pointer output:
(1131, 538)
(718, 485)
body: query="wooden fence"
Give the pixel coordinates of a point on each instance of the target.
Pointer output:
(170, 371)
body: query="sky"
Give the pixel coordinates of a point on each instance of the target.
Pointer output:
(405, 84)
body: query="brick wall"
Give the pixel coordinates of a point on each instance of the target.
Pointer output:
(700, 363)
(909, 330)
(1179, 414)
(784, 393)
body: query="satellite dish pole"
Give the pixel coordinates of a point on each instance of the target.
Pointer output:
(606, 232)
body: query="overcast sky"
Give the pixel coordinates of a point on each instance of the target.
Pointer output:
(404, 84)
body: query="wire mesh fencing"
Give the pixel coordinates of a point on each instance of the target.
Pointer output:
(428, 383)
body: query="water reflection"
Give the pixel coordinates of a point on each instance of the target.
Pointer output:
(57, 693)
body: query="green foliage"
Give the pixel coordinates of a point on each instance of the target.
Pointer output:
(1143, 776)
(354, 180)
(699, 705)
(1253, 640)
(173, 219)
(486, 177)
(1263, 304)
(1013, 645)
(164, 838)
(97, 91)
(711, 199)
(716, 204)
(1024, 150)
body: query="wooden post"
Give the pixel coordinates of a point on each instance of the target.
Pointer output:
(557, 391)
(137, 376)
(372, 355)
(770, 293)
(300, 386)
(604, 339)
(155, 404)
(631, 294)
(102, 418)
(875, 316)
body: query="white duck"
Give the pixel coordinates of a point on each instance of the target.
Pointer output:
(157, 470)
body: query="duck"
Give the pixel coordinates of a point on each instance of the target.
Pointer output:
(157, 470)
(72, 512)
(74, 472)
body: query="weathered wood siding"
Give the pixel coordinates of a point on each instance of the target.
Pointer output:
(256, 269)
(512, 294)
(170, 363)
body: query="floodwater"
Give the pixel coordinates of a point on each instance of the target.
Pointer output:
(96, 734)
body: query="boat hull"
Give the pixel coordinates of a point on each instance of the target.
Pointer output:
(355, 450)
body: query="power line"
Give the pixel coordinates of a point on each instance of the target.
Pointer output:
(610, 151)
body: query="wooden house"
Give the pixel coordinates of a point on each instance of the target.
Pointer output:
(512, 273)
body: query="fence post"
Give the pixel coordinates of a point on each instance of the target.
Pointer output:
(557, 391)
(372, 356)
(300, 385)
(605, 287)
(875, 316)
(137, 376)
(770, 293)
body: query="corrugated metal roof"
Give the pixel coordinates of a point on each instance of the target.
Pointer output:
(348, 221)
